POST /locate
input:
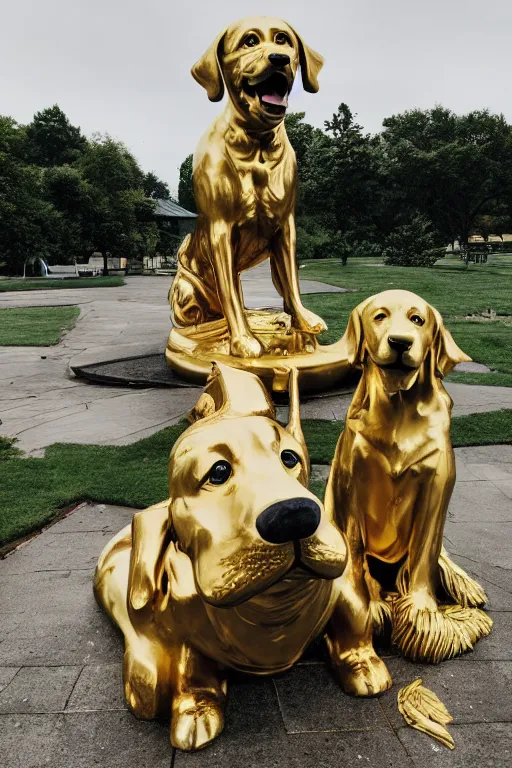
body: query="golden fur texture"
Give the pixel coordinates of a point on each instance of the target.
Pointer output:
(393, 474)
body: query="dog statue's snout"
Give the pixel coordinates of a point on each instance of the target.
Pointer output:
(400, 343)
(288, 520)
(279, 60)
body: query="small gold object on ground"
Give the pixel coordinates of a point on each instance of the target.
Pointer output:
(422, 710)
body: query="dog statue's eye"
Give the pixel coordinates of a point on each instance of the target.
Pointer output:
(380, 316)
(219, 473)
(417, 320)
(282, 38)
(250, 41)
(290, 459)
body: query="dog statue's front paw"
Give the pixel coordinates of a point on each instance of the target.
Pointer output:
(140, 685)
(196, 720)
(307, 321)
(245, 346)
(362, 673)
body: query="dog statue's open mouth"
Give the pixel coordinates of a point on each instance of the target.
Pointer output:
(272, 90)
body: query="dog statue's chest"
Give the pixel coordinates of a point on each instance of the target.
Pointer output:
(264, 201)
(388, 489)
(270, 632)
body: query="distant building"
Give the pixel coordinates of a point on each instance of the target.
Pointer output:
(173, 221)
(490, 239)
(178, 219)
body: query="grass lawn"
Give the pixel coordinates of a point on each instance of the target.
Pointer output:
(454, 290)
(35, 326)
(32, 490)
(45, 283)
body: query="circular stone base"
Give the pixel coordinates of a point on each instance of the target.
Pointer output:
(152, 370)
(192, 350)
(144, 371)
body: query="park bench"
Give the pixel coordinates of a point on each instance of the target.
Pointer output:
(60, 271)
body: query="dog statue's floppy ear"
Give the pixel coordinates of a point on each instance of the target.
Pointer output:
(150, 534)
(447, 353)
(353, 337)
(310, 65)
(208, 72)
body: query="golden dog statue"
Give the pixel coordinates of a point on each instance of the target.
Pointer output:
(240, 568)
(245, 183)
(393, 474)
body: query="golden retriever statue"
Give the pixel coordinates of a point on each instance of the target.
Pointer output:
(245, 180)
(393, 474)
(240, 568)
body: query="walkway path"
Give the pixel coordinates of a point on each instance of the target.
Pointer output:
(61, 701)
(41, 404)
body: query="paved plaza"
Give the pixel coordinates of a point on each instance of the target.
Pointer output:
(42, 403)
(61, 700)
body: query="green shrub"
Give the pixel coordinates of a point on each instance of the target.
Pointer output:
(317, 240)
(8, 448)
(412, 245)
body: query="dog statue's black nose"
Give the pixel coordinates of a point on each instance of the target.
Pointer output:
(400, 343)
(278, 60)
(288, 520)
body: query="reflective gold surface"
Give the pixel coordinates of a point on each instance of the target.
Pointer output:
(422, 710)
(393, 475)
(240, 568)
(245, 185)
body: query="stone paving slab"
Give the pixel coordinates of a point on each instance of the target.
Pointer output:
(82, 740)
(61, 699)
(6, 675)
(472, 691)
(99, 687)
(39, 690)
(305, 711)
(482, 542)
(487, 745)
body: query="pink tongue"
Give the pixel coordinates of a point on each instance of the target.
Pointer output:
(275, 98)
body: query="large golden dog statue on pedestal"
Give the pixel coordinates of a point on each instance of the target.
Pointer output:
(393, 475)
(240, 568)
(245, 182)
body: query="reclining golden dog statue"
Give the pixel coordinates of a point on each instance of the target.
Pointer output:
(245, 187)
(240, 568)
(392, 478)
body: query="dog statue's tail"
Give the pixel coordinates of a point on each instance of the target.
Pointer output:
(458, 585)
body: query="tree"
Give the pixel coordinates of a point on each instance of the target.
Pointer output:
(64, 187)
(52, 140)
(62, 196)
(12, 138)
(186, 185)
(453, 169)
(27, 221)
(341, 182)
(155, 187)
(118, 217)
(301, 135)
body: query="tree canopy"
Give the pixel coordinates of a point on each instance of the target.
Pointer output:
(431, 174)
(63, 196)
(429, 178)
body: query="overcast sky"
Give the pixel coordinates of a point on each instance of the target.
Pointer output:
(123, 66)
